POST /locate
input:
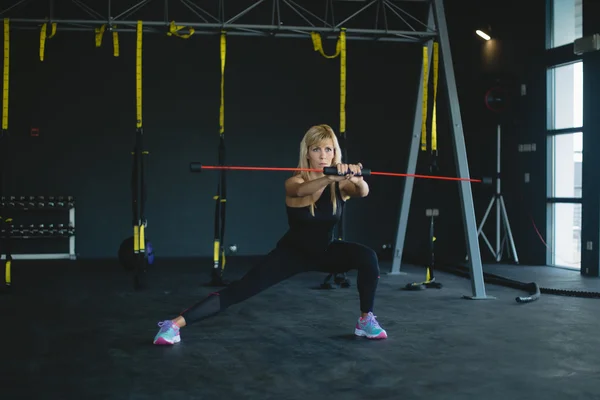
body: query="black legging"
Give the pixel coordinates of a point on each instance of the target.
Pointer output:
(283, 263)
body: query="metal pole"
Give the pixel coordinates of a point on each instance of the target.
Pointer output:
(498, 194)
(476, 269)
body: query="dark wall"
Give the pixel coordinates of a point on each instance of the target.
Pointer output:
(590, 258)
(83, 100)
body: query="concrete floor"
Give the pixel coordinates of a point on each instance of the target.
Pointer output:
(78, 330)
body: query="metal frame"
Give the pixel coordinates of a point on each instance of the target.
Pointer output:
(389, 22)
(504, 238)
(437, 17)
(71, 255)
(551, 133)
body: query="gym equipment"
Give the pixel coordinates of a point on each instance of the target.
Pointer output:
(127, 257)
(425, 106)
(429, 282)
(44, 35)
(435, 28)
(532, 288)
(36, 202)
(498, 200)
(221, 196)
(139, 259)
(497, 100)
(436, 19)
(339, 279)
(432, 213)
(198, 167)
(4, 152)
(99, 33)
(6, 239)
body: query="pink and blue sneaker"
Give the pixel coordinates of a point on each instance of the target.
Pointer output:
(168, 333)
(369, 327)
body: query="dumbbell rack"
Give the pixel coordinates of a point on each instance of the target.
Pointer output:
(35, 218)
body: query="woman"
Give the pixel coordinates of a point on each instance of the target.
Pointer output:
(314, 203)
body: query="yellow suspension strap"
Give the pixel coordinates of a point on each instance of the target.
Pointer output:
(432, 213)
(318, 45)
(115, 35)
(425, 99)
(99, 33)
(44, 36)
(5, 79)
(434, 151)
(4, 152)
(433, 162)
(429, 282)
(343, 141)
(115, 42)
(340, 50)
(138, 184)
(174, 31)
(221, 196)
(7, 245)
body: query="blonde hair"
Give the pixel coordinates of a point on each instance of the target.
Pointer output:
(315, 136)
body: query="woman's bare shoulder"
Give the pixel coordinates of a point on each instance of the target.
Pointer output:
(291, 199)
(294, 179)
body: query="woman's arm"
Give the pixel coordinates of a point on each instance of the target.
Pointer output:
(354, 187)
(296, 187)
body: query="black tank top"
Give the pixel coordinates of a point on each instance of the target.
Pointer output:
(313, 234)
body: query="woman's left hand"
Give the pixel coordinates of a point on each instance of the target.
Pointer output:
(354, 173)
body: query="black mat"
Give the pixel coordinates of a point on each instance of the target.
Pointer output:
(77, 330)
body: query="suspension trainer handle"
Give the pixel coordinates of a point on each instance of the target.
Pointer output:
(334, 171)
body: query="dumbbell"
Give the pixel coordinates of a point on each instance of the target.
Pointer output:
(51, 230)
(60, 230)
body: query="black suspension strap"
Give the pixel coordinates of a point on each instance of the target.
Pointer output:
(138, 182)
(339, 279)
(342, 223)
(425, 113)
(221, 196)
(432, 212)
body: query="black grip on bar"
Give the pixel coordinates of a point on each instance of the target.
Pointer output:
(334, 171)
(195, 167)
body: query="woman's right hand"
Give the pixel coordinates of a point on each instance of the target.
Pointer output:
(344, 173)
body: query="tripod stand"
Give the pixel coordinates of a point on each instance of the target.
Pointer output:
(501, 215)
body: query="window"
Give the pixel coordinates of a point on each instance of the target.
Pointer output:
(566, 96)
(566, 156)
(565, 160)
(565, 22)
(565, 223)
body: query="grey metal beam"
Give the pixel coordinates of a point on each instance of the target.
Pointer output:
(460, 153)
(263, 25)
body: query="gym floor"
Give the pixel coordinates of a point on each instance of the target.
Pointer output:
(78, 330)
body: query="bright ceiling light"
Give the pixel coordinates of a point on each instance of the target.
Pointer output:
(483, 34)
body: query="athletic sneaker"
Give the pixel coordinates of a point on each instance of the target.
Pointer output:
(369, 327)
(168, 333)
